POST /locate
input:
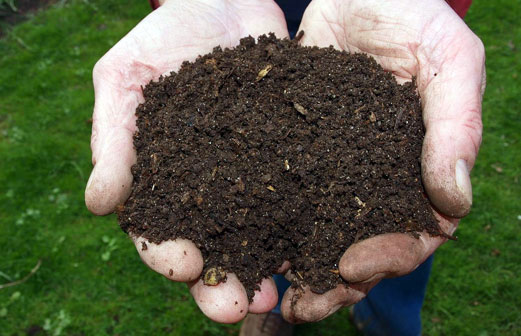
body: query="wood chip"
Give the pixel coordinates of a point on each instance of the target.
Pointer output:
(240, 185)
(211, 61)
(270, 188)
(360, 108)
(359, 201)
(300, 109)
(214, 276)
(264, 72)
(186, 197)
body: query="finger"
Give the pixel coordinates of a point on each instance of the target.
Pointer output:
(316, 18)
(178, 260)
(275, 22)
(284, 267)
(390, 255)
(451, 84)
(224, 303)
(305, 306)
(113, 126)
(111, 179)
(264, 299)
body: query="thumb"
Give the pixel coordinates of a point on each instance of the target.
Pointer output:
(114, 124)
(451, 89)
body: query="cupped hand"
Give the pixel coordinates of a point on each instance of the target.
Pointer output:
(410, 38)
(175, 32)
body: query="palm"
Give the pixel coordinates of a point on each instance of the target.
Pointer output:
(410, 38)
(178, 31)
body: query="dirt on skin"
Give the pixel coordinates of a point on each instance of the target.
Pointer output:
(273, 151)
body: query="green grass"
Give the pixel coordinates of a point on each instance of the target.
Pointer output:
(92, 281)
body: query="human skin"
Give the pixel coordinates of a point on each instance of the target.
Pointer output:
(410, 38)
(421, 38)
(175, 32)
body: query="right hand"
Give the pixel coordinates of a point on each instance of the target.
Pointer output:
(175, 32)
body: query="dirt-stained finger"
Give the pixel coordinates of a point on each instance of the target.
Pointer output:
(391, 254)
(178, 260)
(226, 302)
(264, 299)
(302, 305)
(110, 182)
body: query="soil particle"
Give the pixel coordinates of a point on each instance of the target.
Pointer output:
(271, 152)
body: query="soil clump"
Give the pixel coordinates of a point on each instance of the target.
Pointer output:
(272, 151)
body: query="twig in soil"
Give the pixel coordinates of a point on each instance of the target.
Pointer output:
(25, 278)
(398, 118)
(360, 108)
(359, 202)
(214, 171)
(299, 36)
(297, 280)
(314, 232)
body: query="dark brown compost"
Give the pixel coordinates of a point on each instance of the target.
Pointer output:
(273, 151)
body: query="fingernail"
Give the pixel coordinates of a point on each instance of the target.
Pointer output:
(463, 179)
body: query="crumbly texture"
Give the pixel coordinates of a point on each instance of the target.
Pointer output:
(272, 151)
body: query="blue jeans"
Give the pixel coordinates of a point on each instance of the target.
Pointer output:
(391, 308)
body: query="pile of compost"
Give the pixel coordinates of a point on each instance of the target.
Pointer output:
(272, 151)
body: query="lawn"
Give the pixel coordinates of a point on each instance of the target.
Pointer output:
(92, 282)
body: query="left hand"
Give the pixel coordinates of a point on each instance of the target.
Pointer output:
(425, 39)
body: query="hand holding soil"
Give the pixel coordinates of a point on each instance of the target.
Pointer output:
(409, 38)
(449, 84)
(175, 32)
